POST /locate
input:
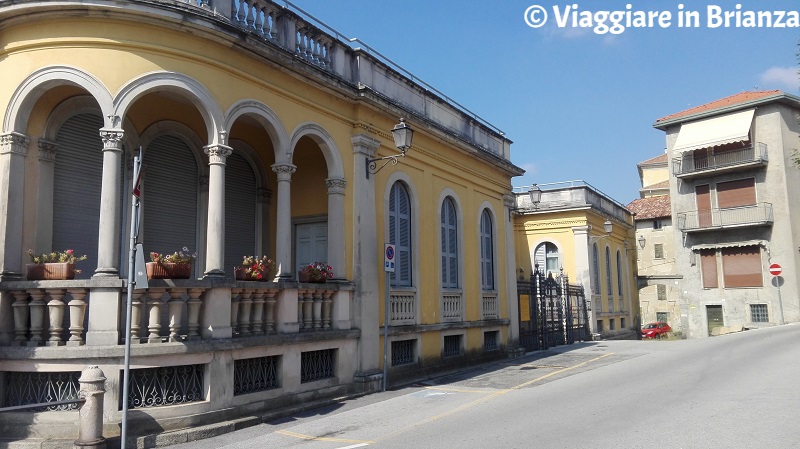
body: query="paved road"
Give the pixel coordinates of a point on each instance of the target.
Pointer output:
(732, 391)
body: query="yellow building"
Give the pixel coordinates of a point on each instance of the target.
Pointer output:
(578, 229)
(261, 134)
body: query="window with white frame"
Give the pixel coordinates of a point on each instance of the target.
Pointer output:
(400, 233)
(449, 244)
(547, 257)
(487, 251)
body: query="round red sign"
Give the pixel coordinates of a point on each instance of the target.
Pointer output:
(775, 269)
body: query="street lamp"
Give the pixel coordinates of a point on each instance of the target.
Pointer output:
(535, 194)
(641, 241)
(607, 227)
(402, 134)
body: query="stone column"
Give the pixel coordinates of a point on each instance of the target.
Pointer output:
(368, 292)
(512, 303)
(109, 227)
(215, 234)
(44, 199)
(283, 250)
(13, 148)
(583, 266)
(336, 256)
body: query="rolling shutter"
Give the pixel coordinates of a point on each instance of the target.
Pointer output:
(169, 198)
(240, 212)
(741, 192)
(77, 181)
(741, 267)
(708, 265)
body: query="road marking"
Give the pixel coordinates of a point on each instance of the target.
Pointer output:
(458, 390)
(300, 436)
(354, 446)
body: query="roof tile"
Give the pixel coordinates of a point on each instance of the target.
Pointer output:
(652, 207)
(741, 97)
(662, 159)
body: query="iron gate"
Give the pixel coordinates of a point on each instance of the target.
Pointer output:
(552, 311)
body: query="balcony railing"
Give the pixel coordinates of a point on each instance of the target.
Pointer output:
(699, 162)
(756, 215)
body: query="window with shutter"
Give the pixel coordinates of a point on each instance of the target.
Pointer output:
(400, 233)
(620, 284)
(741, 192)
(240, 211)
(703, 198)
(548, 258)
(609, 285)
(661, 290)
(449, 244)
(658, 251)
(708, 266)
(487, 252)
(595, 270)
(741, 267)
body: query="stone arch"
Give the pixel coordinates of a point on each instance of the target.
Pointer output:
(267, 118)
(184, 85)
(40, 81)
(326, 144)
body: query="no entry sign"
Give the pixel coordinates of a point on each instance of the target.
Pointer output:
(775, 269)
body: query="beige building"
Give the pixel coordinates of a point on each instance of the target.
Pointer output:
(262, 133)
(733, 191)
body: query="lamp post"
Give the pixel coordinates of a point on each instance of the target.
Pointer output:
(641, 241)
(607, 228)
(402, 134)
(535, 194)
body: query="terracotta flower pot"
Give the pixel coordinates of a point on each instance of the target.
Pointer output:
(168, 270)
(241, 274)
(307, 277)
(50, 271)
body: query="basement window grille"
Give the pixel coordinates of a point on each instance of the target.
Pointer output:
(23, 388)
(404, 352)
(168, 385)
(317, 365)
(491, 341)
(256, 374)
(452, 345)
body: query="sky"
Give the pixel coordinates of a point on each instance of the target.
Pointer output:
(577, 104)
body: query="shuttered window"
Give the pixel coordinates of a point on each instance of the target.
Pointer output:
(169, 197)
(487, 252)
(708, 266)
(741, 267)
(547, 257)
(77, 182)
(400, 233)
(595, 270)
(658, 251)
(703, 197)
(240, 211)
(741, 192)
(449, 244)
(619, 275)
(609, 285)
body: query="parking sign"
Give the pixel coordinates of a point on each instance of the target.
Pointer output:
(388, 259)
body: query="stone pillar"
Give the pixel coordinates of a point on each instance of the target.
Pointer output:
(13, 148)
(583, 267)
(368, 292)
(44, 198)
(283, 250)
(108, 230)
(512, 303)
(336, 250)
(90, 421)
(215, 236)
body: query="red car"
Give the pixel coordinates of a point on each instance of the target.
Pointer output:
(658, 329)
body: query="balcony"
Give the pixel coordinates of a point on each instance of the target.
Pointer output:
(695, 164)
(697, 221)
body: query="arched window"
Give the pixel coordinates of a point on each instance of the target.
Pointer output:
(609, 285)
(548, 258)
(400, 233)
(595, 270)
(619, 274)
(487, 252)
(449, 228)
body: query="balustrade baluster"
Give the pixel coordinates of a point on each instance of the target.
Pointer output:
(175, 305)
(136, 316)
(193, 305)
(245, 306)
(241, 15)
(55, 309)
(235, 310)
(21, 315)
(327, 303)
(269, 312)
(317, 309)
(308, 305)
(154, 314)
(77, 313)
(259, 24)
(257, 314)
(37, 306)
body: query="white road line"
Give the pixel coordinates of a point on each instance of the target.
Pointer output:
(354, 446)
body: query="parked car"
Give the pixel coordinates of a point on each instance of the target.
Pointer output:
(658, 329)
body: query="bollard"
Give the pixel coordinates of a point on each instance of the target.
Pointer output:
(90, 423)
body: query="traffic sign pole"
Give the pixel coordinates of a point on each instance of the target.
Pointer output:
(776, 270)
(388, 268)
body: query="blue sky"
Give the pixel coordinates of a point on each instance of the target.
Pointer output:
(576, 104)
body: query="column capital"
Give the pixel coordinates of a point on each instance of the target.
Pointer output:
(284, 171)
(112, 139)
(580, 230)
(336, 185)
(14, 142)
(47, 150)
(217, 154)
(365, 144)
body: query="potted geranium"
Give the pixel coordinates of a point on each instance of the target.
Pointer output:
(177, 265)
(316, 272)
(254, 269)
(58, 265)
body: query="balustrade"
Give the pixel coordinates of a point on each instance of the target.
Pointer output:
(402, 308)
(490, 307)
(452, 307)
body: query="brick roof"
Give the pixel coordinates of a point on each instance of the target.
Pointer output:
(658, 185)
(649, 208)
(655, 160)
(741, 97)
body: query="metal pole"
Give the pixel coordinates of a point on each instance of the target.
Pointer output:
(386, 330)
(129, 306)
(780, 301)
